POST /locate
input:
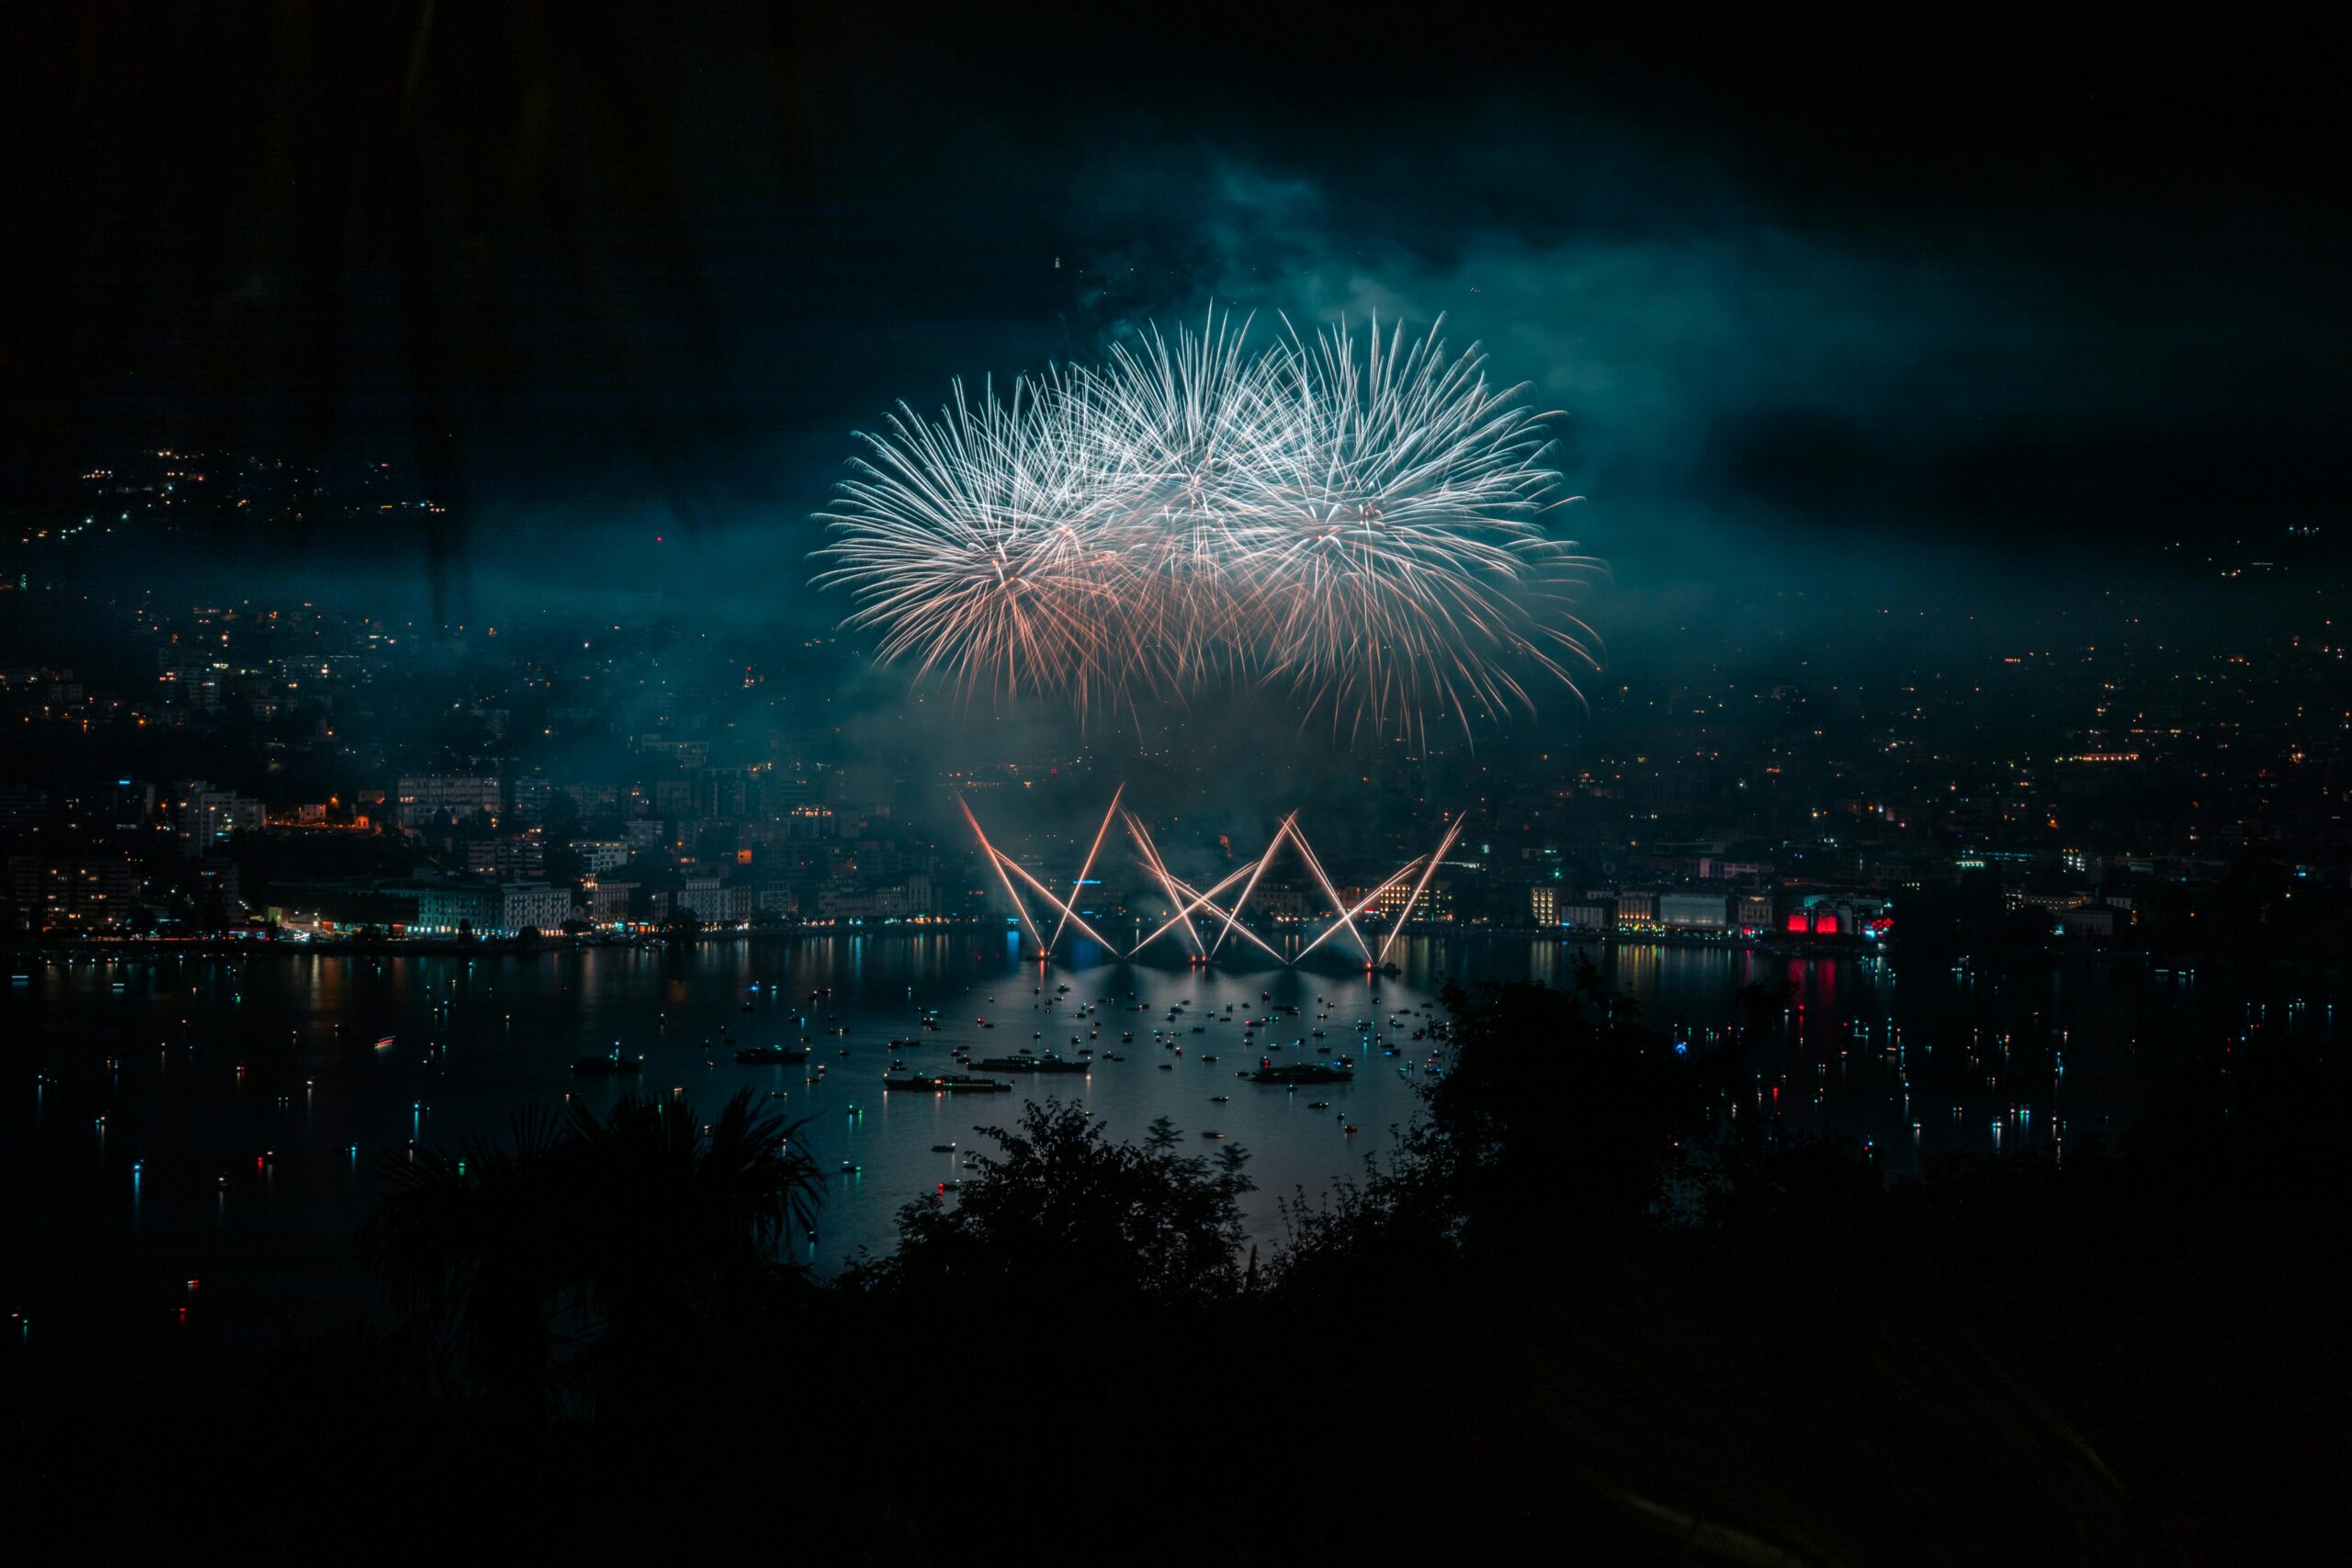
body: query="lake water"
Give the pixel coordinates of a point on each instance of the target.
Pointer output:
(196, 1119)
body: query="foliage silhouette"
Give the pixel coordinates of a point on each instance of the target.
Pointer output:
(1063, 1211)
(581, 1231)
(1556, 1105)
(2009, 1359)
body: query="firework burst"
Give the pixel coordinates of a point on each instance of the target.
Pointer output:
(1359, 522)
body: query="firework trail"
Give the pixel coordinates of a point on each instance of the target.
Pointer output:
(1273, 847)
(1078, 882)
(1413, 899)
(1348, 915)
(1189, 903)
(1185, 900)
(1359, 523)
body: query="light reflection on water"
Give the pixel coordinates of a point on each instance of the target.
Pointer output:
(1972, 1061)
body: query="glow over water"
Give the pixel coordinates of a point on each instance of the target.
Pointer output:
(226, 1121)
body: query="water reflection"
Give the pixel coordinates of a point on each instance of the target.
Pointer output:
(169, 1087)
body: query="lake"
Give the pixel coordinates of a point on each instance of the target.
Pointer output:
(223, 1120)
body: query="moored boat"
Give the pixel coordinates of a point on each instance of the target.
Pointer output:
(1048, 1064)
(945, 1083)
(613, 1066)
(1300, 1072)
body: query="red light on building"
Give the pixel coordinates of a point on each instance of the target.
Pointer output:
(1798, 923)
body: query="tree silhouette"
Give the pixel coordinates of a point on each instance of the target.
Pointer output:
(1556, 1103)
(580, 1230)
(1064, 1212)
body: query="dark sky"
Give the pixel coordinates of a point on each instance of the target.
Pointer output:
(1983, 275)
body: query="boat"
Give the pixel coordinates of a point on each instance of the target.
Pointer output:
(1300, 1072)
(385, 1043)
(613, 1066)
(946, 1083)
(1033, 1065)
(761, 1055)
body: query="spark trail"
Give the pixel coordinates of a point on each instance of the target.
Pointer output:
(1355, 524)
(1186, 901)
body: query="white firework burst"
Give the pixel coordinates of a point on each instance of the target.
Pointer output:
(1360, 525)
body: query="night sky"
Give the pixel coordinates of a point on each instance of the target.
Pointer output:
(1808, 284)
(1858, 1074)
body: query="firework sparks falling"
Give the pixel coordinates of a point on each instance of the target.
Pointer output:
(1359, 523)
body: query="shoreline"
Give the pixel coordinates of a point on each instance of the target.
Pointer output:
(148, 948)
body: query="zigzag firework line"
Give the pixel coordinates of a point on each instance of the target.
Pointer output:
(1186, 901)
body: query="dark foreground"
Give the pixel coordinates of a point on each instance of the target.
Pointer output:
(1582, 1315)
